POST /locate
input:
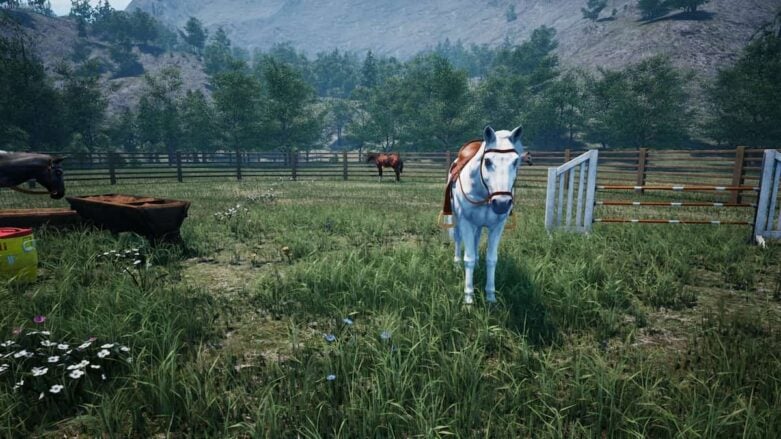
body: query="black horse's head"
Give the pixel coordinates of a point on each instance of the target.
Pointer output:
(18, 167)
(52, 178)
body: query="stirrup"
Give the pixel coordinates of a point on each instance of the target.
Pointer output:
(441, 221)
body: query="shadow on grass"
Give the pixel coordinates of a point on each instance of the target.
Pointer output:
(523, 302)
(681, 16)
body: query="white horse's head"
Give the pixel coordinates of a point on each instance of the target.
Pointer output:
(503, 154)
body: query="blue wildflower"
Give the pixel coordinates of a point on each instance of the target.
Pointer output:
(331, 377)
(385, 335)
(347, 321)
(330, 338)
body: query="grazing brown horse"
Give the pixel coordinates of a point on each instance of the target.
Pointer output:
(18, 167)
(388, 161)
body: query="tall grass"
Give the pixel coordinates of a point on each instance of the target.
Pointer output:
(357, 329)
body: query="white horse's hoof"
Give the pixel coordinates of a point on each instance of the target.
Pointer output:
(490, 298)
(469, 299)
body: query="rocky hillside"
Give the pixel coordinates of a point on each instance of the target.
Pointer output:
(404, 27)
(56, 39)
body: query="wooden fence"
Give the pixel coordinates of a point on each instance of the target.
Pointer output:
(727, 167)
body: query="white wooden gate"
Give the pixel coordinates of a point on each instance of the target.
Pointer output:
(768, 218)
(580, 172)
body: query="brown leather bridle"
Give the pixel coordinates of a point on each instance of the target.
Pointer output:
(490, 195)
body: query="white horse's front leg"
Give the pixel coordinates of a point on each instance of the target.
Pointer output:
(456, 235)
(491, 258)
(468, 236)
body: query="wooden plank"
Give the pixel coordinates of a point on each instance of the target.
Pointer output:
(591, 191)
(581, 190)
(550, 197)
(761, 219)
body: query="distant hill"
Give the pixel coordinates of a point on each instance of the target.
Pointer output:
(401, 28)
(55, 40)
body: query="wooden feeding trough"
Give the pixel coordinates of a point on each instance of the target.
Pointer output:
(27, 218)
(154, 218)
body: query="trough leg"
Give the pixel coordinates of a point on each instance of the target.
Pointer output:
(468, 236)
(491, 258)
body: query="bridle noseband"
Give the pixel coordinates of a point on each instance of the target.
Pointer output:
(490, 195)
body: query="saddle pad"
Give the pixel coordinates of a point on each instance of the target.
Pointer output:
(465, 154)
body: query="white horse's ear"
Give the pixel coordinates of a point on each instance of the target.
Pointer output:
(515, 135)
(489, 135)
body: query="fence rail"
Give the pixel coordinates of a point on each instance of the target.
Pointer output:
(639, 169)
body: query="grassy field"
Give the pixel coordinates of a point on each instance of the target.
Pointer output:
(334, 310)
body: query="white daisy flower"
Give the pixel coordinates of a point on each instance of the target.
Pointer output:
(104, 353)
(76, 374)
(84, 345)
(38, 371)
(62, 347)
(53, 359)
(46, 333)
(108, 346)
(40, 397)
(47, 343)
(94, 366)
(124, 349)
(4, 367)
(103, 376)
(21, 353)
(6, 343)
(56, 388)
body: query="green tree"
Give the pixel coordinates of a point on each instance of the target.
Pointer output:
(369, 71)
(217, 55)
(644, 105)
(30, 107)
(86, 106)
(557, 114)
(143, 28)
(650, 9)
(745, 98)
(380, 114)
(122, 131)
(289, 104)
(438, 104)
(341, 113)
(194, 34)
(593, 9)
(83, 13)
(198, 122)
(158, 118)
(237, 100)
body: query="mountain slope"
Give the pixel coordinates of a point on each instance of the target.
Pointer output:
(55, 40)
(404, 27)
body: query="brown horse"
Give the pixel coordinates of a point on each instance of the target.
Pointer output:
(388, 161)
(18, 167)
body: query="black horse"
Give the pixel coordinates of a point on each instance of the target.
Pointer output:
(18, 167)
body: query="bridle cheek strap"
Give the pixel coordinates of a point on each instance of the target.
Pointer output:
(490, 195)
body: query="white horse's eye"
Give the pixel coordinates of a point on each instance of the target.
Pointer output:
(488, 163)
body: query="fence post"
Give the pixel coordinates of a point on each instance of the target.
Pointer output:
(294, 164)
(112, 173)
(179, 166)
(238, 165)
(344, 165)
(641, 160)
(567, 158)
(738, 173)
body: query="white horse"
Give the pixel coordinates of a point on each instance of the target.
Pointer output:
(482, 196)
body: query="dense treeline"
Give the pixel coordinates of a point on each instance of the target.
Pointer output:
(281, 99)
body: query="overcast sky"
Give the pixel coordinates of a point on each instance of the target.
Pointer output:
(63, 7)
